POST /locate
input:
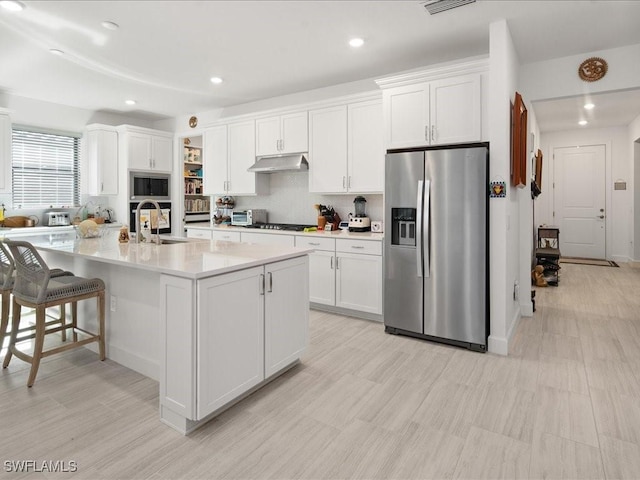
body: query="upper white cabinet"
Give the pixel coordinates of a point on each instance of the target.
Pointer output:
(145, 149)
(101, 147)
(438, 112)
(282, 134)
(229, 150)
(346, 151)
(5, 152)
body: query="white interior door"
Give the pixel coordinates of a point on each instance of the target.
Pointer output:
(579, 200)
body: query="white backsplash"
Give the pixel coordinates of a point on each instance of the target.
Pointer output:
(289, 200)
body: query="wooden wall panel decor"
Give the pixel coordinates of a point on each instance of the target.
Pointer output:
(539, 169)
(519, 143)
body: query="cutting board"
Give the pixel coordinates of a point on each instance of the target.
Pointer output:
(15, 222)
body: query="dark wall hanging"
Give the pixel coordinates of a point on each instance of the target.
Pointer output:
(518, 143)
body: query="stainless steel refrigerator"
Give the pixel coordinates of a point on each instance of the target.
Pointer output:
(436, 255)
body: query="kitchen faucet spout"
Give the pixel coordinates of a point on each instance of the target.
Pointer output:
(139, 237)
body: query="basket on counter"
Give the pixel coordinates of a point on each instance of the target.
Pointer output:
(88, 229)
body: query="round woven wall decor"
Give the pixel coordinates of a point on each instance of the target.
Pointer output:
(592, 69)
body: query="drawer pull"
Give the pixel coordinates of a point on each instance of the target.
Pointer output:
(360, 247)
(315, 244)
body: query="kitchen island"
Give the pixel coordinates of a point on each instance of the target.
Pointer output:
(212, 321)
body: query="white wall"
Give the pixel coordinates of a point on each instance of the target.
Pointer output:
(504, 212)
(634, 152)
(619, 166)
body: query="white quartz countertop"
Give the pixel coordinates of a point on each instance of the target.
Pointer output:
(321, 233)
(15, 231)
(189, 258)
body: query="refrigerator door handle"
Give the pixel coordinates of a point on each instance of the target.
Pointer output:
(427, 223)
(419, 203)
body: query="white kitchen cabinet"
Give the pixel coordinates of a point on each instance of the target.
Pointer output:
(286, 301)
(346, 151)
(145, 149)
(198, 233)
(225, 236)
(328, 150)
(282, 134)
(359, 282)
(439, 112)
(229, 150)
(322, 277)
(5, 151)
(252, 324)
(268, 239)
(101, 147)
(230, 337)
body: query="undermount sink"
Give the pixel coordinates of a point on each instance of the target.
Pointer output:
(172, 241)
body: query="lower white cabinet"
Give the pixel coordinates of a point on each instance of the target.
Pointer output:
(198, 233)
(268, 239)
(345, 273)
(251, 324)
(226, 236)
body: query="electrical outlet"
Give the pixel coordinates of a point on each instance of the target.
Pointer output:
(114, 302)
(516, 290)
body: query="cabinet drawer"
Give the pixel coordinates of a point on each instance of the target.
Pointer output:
(268, 239)
(198, 233)
(326, 244)
(227, 236)
(370, 247)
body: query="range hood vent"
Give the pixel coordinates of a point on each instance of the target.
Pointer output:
(280, 163)
(437, 6)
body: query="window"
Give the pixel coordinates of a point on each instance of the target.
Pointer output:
(45, 169)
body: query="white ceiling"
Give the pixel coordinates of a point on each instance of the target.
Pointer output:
(164, 52)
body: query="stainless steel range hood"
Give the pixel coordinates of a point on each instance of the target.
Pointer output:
(281, 163)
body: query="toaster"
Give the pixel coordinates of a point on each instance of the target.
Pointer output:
(57, 219)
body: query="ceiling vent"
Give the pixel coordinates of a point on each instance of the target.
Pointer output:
(437, 6)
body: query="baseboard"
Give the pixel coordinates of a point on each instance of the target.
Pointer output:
(621, 259)
(345, 311)
(498, 345)
(130, 360)
(526, 309)
(515, 321)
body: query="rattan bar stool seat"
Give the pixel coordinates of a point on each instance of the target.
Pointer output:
(36, 288)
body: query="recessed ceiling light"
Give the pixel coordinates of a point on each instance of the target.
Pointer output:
(109, 25)
(216, 80)
(130, 102)
(12, 5)
(589, 106)
(56, 51)
(356, 42)
(582, 122)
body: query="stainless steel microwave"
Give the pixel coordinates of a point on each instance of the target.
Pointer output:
(156, 186)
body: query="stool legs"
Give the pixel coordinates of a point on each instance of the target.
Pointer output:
(15, 324)
(63, 322)
(74, 320)
(38, 345)
(4, 320)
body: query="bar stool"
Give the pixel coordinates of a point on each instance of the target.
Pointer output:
(35, 288)
(7, 278)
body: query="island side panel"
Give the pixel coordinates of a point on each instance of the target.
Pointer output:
(178, 341)
(132, 310)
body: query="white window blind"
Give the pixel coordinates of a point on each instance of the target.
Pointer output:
(45, 169)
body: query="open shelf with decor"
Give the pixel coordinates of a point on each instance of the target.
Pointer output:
(197, 205)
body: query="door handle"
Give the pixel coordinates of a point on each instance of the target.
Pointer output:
(331, 263)
(344, 182)
(433, 133)
(270, 282)
(419, 200)
(261, 284)
(600, 216)
(426, 133)
(427, 223)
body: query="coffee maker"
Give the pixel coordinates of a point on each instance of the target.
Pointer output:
(360, 222)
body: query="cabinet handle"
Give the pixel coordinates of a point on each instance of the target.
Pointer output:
(433, 133)
(426, 133)
(357, 246)
(102, 186)
(270, 283)
(261, 284)
(150, 163)
(331, 263)
(344, 180)
(282, 144)
(315, 244)
(349, 182)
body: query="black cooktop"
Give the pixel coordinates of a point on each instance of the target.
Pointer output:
(295, 227)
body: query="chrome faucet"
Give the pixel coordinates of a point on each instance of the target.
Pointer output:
(139, 237)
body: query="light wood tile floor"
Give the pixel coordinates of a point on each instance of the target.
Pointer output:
(564, 404)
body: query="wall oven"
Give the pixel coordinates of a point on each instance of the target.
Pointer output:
(148, 214)
(156, 186)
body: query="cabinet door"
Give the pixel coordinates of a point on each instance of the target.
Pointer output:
(455, 110)
(407, 116)
(366, 147)
(242, 154)
(102, 162)
(162, 151)
(294, 133)
(268, 239)
(267, 136)
(214, 165)
(322, 278)
(5, 153)
(328, 150)
(226, 236)
(198, 233)
(359, 282)
(230, 337)
(286, 313)
(139, 153)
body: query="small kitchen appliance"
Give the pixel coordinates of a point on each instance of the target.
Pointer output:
(360, 222)
(57, 219)
(248, 217)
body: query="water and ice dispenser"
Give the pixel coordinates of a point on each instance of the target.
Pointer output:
(403, 226)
